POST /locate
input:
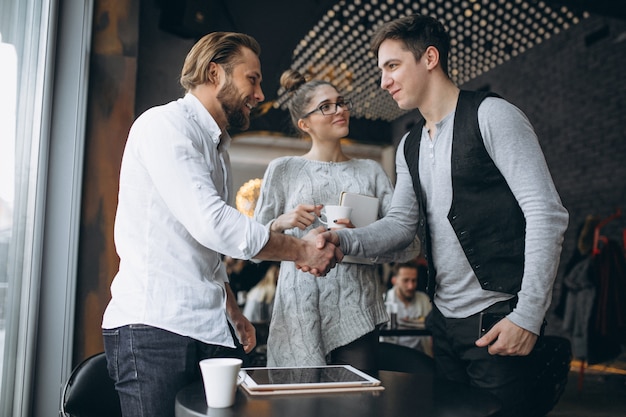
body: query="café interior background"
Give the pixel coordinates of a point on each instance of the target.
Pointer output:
(561, 62)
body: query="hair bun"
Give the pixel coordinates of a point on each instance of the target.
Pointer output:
(291, 80)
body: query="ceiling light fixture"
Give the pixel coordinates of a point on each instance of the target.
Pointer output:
(485, 33)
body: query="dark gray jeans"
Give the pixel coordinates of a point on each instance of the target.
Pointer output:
(150, 365)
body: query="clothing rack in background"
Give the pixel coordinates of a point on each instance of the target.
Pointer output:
(597, 238)
(600, 242)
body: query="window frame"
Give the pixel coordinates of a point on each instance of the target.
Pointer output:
(53, 43)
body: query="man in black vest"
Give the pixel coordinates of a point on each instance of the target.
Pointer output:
(472, 181)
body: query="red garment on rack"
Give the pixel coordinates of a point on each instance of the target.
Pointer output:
(608, 322)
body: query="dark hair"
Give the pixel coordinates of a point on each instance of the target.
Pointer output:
(399, 265)
(301, 92)
(418, 32)
(223, 48)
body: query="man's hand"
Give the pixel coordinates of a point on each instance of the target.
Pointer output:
(508, 339)
(245, 331)
(318, 260)
(326, 236)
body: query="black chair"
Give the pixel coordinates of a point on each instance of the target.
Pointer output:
(89, 391)
(553, 357)
(450, 399)
(394, 357)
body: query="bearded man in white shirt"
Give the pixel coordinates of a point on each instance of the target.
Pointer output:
(171, 304)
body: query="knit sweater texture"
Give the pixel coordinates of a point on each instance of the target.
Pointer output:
(313, 316)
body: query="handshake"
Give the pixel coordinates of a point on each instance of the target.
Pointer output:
(320, 252)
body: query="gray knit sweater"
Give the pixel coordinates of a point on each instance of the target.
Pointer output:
(312, 316)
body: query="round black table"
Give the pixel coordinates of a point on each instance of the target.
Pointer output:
(405, 395)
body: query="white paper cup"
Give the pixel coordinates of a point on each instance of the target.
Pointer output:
(220, 380)
(333, 213)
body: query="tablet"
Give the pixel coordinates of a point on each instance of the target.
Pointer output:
(305, 378)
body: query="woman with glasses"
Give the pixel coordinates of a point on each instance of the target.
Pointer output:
(332, 319)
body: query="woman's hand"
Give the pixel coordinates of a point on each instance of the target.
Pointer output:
(345, 222)
(301, 217)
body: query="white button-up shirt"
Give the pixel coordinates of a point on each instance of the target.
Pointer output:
(173, 222)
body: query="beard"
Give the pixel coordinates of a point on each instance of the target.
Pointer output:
(408, 296)
(233, 106)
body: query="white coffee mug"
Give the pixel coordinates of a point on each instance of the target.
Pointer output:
(220, 380)
(333, 213)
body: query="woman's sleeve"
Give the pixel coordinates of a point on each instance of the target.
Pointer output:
(271, 201)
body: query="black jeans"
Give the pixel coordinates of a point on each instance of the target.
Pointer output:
(458, 359)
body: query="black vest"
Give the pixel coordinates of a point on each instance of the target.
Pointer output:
(484, 214)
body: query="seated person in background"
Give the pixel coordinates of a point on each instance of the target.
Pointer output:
(260, 299)
(412, 305)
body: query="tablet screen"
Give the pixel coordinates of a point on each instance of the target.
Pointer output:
(307, 376)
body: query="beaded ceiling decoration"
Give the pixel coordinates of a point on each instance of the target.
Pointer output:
(484, 34)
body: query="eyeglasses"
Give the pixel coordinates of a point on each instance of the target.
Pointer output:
(328, 109)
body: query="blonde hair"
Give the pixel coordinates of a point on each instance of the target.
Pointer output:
(223, 48)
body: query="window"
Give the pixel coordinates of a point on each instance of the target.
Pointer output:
(43, 64)
(21, 76)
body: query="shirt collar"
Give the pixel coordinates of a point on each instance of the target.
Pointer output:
(206, 121)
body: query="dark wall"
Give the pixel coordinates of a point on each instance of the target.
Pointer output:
(161, 57)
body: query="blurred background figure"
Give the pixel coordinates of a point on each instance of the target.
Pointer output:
(243, 275)
(260, 299)
(412, 306)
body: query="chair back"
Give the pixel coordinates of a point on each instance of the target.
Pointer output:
(394, 357)
(450, 399)
(89, 391)
(552, 356)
